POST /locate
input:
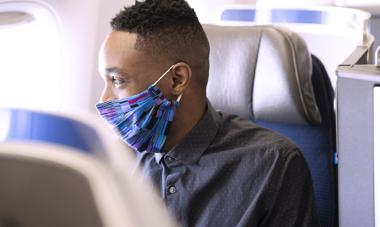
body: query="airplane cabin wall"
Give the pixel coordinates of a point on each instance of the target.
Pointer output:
(95, 23)
(79, 29)
(107, 10)
(82, 26)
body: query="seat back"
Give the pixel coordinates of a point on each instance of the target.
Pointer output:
(266, 74)
(39, 190)
(60, 170)
(34, 126)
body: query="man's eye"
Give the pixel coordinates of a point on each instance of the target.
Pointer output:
(117, 81)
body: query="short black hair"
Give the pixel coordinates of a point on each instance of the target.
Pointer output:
(168, 27)
(148, 17)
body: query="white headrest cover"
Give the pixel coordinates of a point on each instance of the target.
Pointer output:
(261, 72)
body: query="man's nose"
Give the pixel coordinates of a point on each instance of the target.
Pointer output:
(107, 95)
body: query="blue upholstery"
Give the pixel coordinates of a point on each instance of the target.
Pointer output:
(33, 126)
(314, 145)
(317, 143)
(240, 15)
(277, 15)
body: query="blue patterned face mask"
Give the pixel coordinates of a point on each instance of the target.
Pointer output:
(141, 119)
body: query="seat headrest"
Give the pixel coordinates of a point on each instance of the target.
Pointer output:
(261, 73)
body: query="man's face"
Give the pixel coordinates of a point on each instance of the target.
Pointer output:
(125, 70)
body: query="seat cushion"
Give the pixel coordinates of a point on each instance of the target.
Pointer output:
(314, 144)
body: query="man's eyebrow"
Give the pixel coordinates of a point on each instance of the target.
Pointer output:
(115, 70)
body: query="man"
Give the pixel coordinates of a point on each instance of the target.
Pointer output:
(211, 169)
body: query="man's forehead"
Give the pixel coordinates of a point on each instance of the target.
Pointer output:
(119, 41)
(118, 50)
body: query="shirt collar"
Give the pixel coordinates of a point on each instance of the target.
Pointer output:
(193, 145)
(158, 157)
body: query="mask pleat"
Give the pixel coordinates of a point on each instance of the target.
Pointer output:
(142, 119)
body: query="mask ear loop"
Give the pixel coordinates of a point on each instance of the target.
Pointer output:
(179, 97)
(158, 80)
(155, 83)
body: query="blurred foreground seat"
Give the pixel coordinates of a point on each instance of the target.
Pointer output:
(64, 172)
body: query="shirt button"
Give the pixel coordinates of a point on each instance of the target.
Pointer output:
(172, 189)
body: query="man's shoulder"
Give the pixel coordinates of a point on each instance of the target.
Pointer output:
(239, 139)
(237, 133)
(244, 146)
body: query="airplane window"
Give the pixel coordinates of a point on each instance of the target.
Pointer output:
(29, 61)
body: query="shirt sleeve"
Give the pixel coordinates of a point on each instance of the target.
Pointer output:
(292, 200)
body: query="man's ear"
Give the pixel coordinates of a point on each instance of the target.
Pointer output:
(181, 78)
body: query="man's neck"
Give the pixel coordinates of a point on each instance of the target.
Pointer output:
(186, 118)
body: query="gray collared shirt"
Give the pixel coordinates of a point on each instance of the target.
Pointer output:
(231, 172)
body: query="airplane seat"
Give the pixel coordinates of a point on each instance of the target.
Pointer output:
(25, 125)
(266, 74)
(42, 191)
(60, 170)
